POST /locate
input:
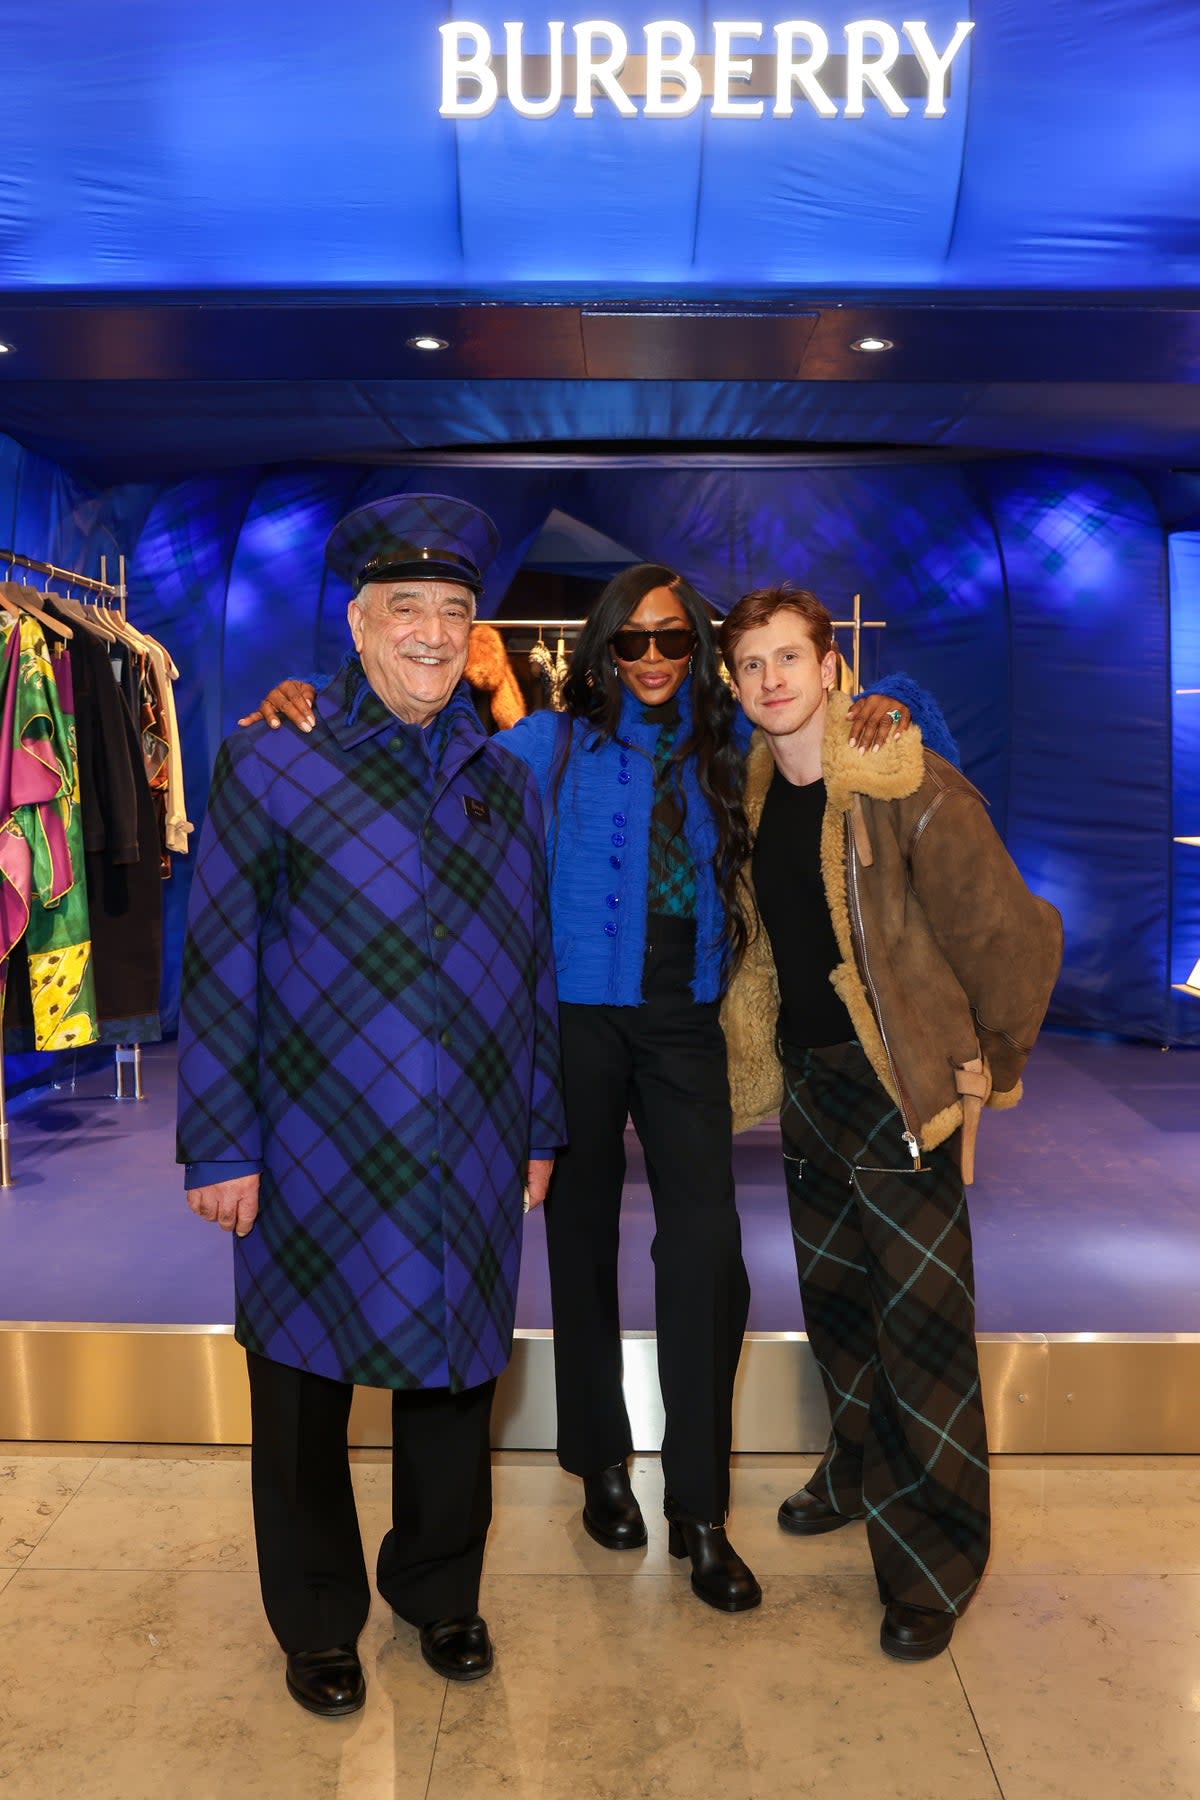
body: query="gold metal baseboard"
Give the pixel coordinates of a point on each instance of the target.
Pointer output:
(1044, 1392)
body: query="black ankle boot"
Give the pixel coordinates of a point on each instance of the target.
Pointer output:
(611, 1513)
(719, 1576)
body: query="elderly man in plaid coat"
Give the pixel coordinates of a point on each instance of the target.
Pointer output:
(368, 1085)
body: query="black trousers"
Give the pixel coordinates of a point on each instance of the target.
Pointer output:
(310, 1555)
(883, 1253)
(663, 1064)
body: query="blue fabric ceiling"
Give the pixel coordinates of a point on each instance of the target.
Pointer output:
(254, 146)
(134, 430)
(284, 143)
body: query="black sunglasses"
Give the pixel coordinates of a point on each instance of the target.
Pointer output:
(674, 642)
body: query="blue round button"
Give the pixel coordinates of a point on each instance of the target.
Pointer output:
(624, 760)
(610, 929)
(613, 900)
(618, 818)
(623, 777)
(618, 839)
(614, 862)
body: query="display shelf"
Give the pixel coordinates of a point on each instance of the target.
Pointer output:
(1191, 985)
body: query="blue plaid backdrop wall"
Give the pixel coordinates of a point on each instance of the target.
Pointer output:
(1031, 596)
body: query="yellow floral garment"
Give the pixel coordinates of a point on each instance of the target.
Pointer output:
(43, 896)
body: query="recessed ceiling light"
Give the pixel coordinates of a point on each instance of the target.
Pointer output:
(871, 344)
(428, 343)
(6, 349)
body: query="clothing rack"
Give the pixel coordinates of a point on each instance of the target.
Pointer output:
(125, 1055)
(855, 625)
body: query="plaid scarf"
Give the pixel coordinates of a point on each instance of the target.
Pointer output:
(672, 885)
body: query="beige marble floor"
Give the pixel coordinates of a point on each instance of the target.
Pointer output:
(135, 1663)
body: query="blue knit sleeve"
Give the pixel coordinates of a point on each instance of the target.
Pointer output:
(536, 739)
(925, 711)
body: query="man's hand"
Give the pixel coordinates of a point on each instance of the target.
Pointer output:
(294, 699)
(233, 1205)
(871, 721)
(537, 1180)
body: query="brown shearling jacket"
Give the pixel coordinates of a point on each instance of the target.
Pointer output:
(948, 960)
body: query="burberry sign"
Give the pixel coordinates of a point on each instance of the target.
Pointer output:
(668, 74)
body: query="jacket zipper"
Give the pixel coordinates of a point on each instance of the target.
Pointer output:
(914, 1148)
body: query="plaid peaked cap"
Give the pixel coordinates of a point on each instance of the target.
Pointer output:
(429, 536)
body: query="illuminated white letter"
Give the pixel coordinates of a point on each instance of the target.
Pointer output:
(802, 74)
(727, 69)
(456, 68)
(534, 109)
(680, 67)
(862, 74)
(603, 70)
(936, 67)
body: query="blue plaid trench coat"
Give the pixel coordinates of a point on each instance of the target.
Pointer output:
(369, 1017)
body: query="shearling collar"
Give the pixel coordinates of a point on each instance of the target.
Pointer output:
(891, 773)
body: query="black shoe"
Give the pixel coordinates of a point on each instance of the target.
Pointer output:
(328, 1682)
(914, 1634)
(459, 1649)
(719, 1576)
(611, 1513)
(807, 1515)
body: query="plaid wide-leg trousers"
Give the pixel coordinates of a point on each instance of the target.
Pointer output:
(883, 1252)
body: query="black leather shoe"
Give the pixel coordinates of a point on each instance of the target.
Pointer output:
(719, 1576)
(611, 1513)
(459, 1649)
(807, 1515)
(913, 1634)
(327, 1682)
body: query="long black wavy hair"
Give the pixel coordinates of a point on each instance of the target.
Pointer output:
(593, 692)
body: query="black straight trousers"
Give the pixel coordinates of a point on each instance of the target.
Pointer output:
(310, 1557)
(663, 1064)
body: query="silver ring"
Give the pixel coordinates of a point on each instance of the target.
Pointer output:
(895, 715)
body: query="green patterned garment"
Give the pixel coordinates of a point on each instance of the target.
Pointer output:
(672, 885)
(43, 895)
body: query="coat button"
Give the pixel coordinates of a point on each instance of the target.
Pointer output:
(618, 840)
(444, 1040)
(624, 760)
(427, 833)
(618, 819)
(623, 777)
(614, 862)
(610, 929)
(439, 931)
(613, 900)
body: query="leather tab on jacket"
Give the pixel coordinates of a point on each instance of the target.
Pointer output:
(974, 1083)
(862, 838)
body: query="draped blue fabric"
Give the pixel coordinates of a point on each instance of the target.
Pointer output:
(190, 427)
(1089, 817)
(252, 143)
(1031, 596)
(177, 589)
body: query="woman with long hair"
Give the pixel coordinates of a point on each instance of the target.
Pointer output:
(641, 778)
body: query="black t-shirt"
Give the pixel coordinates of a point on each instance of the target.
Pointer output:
(792, 906)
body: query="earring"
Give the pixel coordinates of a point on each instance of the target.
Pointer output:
(689, 665)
